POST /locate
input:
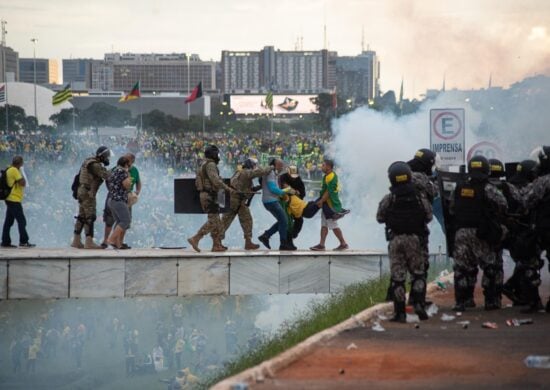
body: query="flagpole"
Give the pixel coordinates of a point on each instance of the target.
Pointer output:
(188, 86)
(140, 110)
(5, 86)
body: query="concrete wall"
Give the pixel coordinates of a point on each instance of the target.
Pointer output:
(45, 274)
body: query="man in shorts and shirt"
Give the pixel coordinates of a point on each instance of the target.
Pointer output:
(329, 197)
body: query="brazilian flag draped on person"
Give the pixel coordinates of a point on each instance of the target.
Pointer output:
(62, 96)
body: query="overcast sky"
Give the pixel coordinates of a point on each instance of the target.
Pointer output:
(422, 40)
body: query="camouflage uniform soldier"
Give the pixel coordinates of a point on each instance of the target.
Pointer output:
(406, 212)
(515, 202)
(537, 198)
(238, 204)
(421, 166)
(92, 174)
(208, 183)
(522, 287)
(477, 205)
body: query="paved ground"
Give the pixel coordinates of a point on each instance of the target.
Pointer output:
(438, 354)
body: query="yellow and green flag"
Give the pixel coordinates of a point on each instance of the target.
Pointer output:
(62, 96)
(269, 100)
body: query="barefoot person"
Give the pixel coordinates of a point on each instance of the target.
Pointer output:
(329, 197)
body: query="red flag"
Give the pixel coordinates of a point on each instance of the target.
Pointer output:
(195, 94)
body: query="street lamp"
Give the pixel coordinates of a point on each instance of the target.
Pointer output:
(34, 40)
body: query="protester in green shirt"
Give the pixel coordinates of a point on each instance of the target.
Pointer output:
(330, 196)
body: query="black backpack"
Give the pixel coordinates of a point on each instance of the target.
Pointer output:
(5, 190)
(76, 183)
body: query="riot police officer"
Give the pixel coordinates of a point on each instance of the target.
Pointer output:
(537, 199)
(406, 213)
(91, 176)
(476, 205)
(522, 287)
(209, 183)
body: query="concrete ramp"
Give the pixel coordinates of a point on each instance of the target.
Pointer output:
(70, 273)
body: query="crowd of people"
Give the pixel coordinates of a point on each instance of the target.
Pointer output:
(51, 161)
(488, 211)
(187, 340)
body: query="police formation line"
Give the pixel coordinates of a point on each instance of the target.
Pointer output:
(487, 214)
(283, 194)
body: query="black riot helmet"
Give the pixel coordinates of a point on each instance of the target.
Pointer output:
(212, 152)
(528, 170)
(423, 161)
(478, 168)
(496, 168)
(250, 163)
(399, 173)
(103, 153)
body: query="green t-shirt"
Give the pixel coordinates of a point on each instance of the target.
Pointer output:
(134, 176)
(331, 184)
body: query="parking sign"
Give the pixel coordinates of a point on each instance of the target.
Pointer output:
(447, 134)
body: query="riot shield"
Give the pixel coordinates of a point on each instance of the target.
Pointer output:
(187, 200)
(447, 182)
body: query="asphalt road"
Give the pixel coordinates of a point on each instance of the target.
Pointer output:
(435, 355)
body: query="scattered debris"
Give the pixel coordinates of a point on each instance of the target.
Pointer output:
(377, 327)
(412, 318)
(489, 325)
(464, 324)
(239, 386)
(351, 346)
(537, 361)
(432, 310)
(447, 318)
(444, 327)
(519, 322)
(441, 285)
(458, 313)
(416, 326)
(342, 371)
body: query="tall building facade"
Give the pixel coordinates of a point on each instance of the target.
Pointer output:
(358, 77)
(46, 71)
(78, 73)
(156, 72)
(281, 71)
(240, 71)
(9, 64)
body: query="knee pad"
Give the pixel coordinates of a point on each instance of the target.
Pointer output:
(418, 284)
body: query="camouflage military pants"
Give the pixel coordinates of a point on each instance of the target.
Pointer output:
(213, 225)
(237, 206)
(86, 213)
(470, 253)
(406, 255)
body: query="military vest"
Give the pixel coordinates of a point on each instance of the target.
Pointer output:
(405, 215)
(469, 199)
(202, 181)
(88, 180)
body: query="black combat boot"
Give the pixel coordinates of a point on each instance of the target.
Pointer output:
(399, 312)
(460, 299)
(534, 301)
(291, 243)
(548, 306)
(285, 246)
(418, 305)
(264, 240)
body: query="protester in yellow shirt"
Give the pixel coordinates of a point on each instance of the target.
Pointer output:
(14, 208)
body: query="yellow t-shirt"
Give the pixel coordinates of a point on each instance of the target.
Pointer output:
(17, 191)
